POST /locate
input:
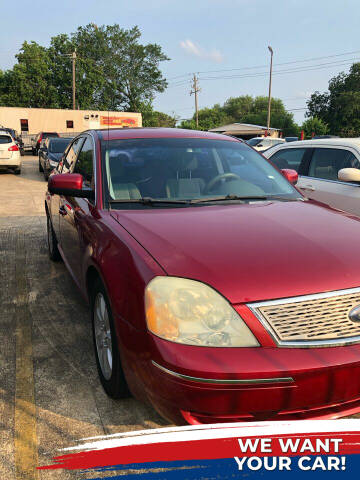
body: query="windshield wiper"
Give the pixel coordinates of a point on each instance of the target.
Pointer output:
(154, 201)
(242, 198)
(149, 201)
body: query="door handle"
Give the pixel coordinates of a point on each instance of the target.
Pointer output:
(309, 188)
(62, 210)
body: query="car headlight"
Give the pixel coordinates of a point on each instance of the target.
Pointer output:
(190, 312)
(53, 163)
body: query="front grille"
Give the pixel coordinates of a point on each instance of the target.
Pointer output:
(311, 320)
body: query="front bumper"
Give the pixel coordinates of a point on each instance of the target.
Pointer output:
(207, 385)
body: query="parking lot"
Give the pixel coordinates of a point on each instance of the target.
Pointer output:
(50, 394)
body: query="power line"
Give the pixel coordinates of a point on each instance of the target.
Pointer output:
(276, 72)
(281, 72)
(276, 64)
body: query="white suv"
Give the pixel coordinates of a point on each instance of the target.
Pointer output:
(9, 153)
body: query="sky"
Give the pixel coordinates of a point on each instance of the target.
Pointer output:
(224, 41)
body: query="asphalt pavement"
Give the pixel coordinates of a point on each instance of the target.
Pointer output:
(50, 396)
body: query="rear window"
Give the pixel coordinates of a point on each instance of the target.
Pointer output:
(49, 134)
(5, 139)
(59, 145)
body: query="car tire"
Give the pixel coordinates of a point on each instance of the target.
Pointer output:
(17, 171)
(106, 349)
(53, 250)
(40, 167)
(33, 151)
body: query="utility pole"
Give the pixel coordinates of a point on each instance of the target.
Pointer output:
(73, 57)
(269, 101)
(195, 92)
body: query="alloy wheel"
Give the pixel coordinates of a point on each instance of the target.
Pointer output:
(103, 337)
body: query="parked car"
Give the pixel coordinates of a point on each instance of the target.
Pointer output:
(50, 152)
(263, 143)
(218, 292)
(320, 165)
(17, 139)
(35, 142)
(9, 153)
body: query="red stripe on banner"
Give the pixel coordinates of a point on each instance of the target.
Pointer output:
(206, 449)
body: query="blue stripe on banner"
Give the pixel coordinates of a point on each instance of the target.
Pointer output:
(227, 468)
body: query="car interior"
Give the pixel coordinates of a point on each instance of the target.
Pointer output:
(191, 173)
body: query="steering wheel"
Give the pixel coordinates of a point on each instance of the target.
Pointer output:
(218, 178)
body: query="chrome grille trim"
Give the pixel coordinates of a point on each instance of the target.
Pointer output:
(350, 332)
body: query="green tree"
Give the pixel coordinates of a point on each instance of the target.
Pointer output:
(208, 118)
(339, 107)
(152, 118)
(29, 83)
(237, 107)
(114, 71)
(314, 125)
(245, 109)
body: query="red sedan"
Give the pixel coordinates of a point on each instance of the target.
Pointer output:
(217, 291)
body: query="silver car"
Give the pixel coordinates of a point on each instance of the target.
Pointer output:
(329, 169)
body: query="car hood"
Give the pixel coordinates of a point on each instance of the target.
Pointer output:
(252, 252)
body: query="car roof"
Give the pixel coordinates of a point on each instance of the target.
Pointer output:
(127, 133)
(57, 139)
(2, 132)
(327, 142)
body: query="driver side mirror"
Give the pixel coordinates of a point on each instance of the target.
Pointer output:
(69, 185)
(349, 175)
(290, 175)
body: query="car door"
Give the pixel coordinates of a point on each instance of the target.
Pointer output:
(64, 167)
(322, 183)
(74, 211)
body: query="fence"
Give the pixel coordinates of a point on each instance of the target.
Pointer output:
(27, 139)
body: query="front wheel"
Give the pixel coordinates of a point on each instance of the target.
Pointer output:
(40, 167)
(53, 250)
(105, 345)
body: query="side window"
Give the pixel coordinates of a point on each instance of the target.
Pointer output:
(288, 158)
(71, 154)
(85, 163)
(326, 162)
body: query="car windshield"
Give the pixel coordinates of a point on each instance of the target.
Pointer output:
(58, 145)
(178, 169)
(254, 141)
